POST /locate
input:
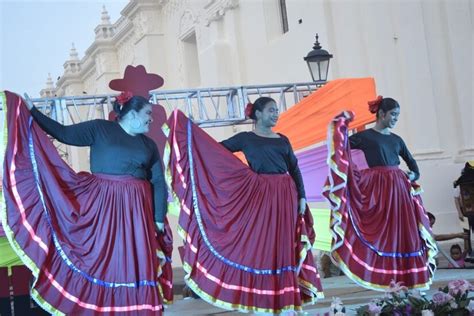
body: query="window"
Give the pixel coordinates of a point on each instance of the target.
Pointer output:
(283, 16)
(191, 61)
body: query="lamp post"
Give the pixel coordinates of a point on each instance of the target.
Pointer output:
(318, 62)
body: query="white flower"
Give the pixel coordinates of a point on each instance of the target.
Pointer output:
(336, 304)
(416, 294)
(337, 309)
(374, 309)
(427, 312)
(336, 301)
(396, 287)
(453, 304)
(470, 307)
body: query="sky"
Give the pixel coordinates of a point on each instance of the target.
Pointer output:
(36, 37)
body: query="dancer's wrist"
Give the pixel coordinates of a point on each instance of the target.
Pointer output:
(160, 226)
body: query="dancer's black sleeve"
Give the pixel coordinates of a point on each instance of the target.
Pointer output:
(81, 134)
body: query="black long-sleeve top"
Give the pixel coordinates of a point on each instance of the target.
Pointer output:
(268, 155)
(383, 150)
(114, 151)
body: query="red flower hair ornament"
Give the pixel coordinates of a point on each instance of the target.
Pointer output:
(248, 109)
(124, 97)
(374, 105)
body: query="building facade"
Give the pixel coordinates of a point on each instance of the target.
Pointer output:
(420, 52)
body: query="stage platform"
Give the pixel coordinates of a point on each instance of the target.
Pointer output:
(350, 293)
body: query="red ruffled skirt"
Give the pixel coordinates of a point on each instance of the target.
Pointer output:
(246, 247)
(89, 239)
(380, 229)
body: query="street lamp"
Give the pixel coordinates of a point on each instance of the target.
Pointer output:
(318, 62)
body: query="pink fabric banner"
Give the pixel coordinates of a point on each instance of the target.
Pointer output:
(313, 166)
(2, 232)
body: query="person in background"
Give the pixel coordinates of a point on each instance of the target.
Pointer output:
(464, 201)
(443, 237)
(458, 256)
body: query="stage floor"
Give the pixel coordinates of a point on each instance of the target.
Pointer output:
(351, 295)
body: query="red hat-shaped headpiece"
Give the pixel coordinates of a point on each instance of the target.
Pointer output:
(137, 81)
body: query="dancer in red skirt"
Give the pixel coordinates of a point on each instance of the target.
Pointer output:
(90, 239)
(381, 231)
(247, 229)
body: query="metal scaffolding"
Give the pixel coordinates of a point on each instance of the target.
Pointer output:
(207, 107)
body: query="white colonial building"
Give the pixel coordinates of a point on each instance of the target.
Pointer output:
(420, 52)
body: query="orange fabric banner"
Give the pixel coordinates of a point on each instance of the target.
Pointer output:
(306, 123)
